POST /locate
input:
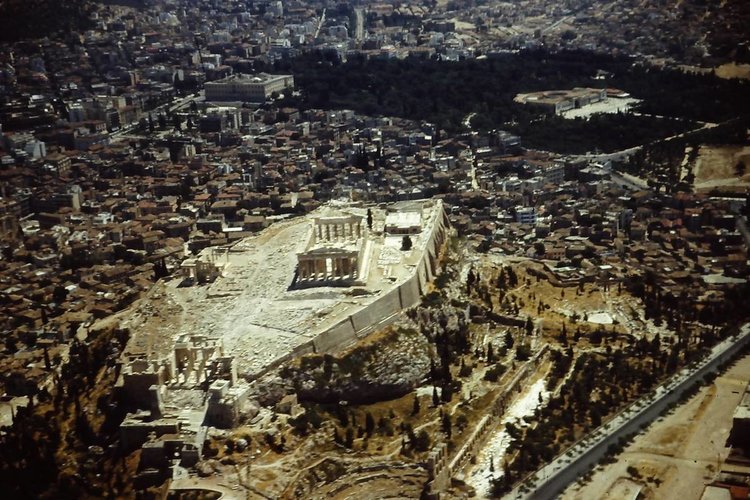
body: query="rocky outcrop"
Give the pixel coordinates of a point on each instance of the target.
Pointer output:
(387, 367)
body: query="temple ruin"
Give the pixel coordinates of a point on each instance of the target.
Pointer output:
(333, 254)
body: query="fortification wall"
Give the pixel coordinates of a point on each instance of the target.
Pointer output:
(410, 293)
(383, 310)
(339, 334)
(383, 307)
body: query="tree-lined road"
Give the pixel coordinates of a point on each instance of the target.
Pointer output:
(552, 479)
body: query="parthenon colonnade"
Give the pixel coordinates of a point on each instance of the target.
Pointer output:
(328, 266)
(337, 228)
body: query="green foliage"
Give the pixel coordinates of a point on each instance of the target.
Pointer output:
(523, 352)
(422, 442)
(369, 424)
(445, 92)
(21, 20)
(603, 132)
(633, 472)
(494, 372)
(508, 340)
(447, 425)
(406, 243)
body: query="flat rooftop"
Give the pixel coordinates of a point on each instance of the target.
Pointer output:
(245, 78)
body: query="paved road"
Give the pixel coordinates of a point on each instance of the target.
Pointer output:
(359, 28)
(554, 477)
(170, 107)
(320, 24)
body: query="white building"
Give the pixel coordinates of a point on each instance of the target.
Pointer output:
(247, 88)
(526, 215)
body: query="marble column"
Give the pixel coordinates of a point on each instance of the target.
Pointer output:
(345, 266)
(323, 266)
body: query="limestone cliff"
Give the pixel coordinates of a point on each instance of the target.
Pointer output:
(387, 366)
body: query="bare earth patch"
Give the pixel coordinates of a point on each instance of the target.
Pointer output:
(680, 452)
(715, 168)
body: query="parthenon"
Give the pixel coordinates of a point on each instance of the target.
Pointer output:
(330, 229)
(333, 253)
(332, 265)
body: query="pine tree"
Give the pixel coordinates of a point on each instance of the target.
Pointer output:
(564, 336)
(470, 280)
(435, 398)
(509, 340)
(415, 408)
(406, 243)
(447, 425)
(369, 424)
(447, 393)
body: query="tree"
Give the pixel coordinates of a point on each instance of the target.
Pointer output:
(447, 425)
(512, 277)
(471, 278)
(369, 219)
(423, 441)
(509, 340)
(406, 243)
(447, 393)
(369, 424)
(415, 407)
(529, 326)
(563, 335)
(490, 354)
(501, 280)
(349, 440)
(740, 168)
(435, 398)
(523, 352)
